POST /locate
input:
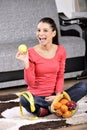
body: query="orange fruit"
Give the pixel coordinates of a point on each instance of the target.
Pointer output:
(57, 105)
(59, 112)
(64, 101)
(64, 108)
(67, 114)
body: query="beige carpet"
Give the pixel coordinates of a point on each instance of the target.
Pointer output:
(10, 118)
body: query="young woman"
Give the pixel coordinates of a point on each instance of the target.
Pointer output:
(44, 66)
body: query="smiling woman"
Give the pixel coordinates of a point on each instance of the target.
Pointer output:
(44, 81)
(44, 67)
(45, 33)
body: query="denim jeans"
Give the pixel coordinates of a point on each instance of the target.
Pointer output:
(38, 100)
(76, 92)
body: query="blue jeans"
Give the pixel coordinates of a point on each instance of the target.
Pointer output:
(38, 100)
(76, 92)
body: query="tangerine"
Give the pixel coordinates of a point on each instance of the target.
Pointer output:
(67, 114)
(64, 108)
(57, 105)
(59, 112)
(64, 101)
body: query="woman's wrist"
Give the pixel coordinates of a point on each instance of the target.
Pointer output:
(26, 64)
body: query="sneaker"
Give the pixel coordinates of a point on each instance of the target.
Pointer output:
(43, 112)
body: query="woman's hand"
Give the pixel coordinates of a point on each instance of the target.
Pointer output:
(24, 58)
(50, 98)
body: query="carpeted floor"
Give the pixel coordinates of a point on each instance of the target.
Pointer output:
(10, 118)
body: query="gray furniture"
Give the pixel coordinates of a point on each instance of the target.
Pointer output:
(18, 21)
(76, 27)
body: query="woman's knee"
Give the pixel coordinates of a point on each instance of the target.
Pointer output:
(23, 101)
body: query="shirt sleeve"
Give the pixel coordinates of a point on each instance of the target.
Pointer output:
(60, 75)
(29, 73)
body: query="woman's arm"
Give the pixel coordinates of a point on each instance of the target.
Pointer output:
(29, 74)
(29, 67)
(60, 75)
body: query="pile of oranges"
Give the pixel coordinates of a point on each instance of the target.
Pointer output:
(61, 108)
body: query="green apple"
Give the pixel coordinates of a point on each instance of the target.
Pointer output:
(22, 49)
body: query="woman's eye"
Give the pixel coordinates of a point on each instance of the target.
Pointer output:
(45, 30)
(38, 30)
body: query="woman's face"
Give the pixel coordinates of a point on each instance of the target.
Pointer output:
(44, 33)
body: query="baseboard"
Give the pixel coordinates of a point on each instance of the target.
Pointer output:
(75, 64)
(11, 75)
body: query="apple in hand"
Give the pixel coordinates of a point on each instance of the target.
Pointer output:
(22, 49)
(71, 105)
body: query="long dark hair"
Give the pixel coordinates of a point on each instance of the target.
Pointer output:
(53, 26)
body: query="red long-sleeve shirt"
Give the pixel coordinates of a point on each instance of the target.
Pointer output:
(45, 76)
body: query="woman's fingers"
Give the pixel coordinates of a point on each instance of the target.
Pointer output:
(49, 98)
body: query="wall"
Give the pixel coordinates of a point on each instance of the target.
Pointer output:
(65, 6)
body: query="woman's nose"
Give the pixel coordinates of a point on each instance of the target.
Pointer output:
(41, 32)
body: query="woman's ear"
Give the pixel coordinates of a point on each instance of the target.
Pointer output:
(54, 33)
